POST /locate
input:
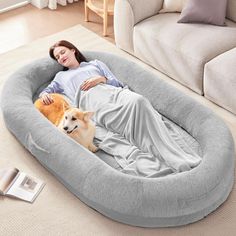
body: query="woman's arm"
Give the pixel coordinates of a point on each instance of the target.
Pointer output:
(89, 83)
(110, 77)
(53, 87)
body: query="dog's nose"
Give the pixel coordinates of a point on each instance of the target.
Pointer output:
(65, 128)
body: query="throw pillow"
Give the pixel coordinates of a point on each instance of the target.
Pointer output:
(204, 11)
(172, 6)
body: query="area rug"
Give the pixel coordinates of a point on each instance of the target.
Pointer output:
(58, 212)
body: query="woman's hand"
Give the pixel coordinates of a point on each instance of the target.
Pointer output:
(89, 83)
(46, 99)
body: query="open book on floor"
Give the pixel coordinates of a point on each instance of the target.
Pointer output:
(19, 185)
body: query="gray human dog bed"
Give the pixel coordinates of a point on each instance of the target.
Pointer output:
(171, 200)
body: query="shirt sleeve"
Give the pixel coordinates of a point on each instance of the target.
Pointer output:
(53, 87)
(111, 79)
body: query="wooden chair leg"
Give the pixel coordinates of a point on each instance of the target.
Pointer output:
(102, 12)
(105, 26)
(105, 17)
(86, 11)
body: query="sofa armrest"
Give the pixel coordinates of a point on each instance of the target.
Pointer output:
(127, 13)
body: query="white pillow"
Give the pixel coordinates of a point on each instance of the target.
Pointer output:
(172, 6)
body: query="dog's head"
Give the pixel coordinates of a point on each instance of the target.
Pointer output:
(74, 119)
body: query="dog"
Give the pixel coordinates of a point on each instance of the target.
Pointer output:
(55, 111)
(71, 121)
(79, 126)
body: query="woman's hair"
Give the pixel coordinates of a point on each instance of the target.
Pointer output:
(78, 55)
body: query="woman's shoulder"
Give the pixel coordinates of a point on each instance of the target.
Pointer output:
(59, 75)
(93, 62)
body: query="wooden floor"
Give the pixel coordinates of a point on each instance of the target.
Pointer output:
(26, 24)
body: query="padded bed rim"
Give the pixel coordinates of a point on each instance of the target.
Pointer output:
(203, 201)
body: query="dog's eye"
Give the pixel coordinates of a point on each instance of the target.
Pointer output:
(66, 117)
(73, 118)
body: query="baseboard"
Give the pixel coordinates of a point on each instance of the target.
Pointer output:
(14, 6)
(40, 3)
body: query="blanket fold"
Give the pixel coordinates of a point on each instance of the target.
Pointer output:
(131, 130)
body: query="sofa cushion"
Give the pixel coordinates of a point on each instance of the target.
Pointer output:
(181, 50)
(177, 6)
(204, 11)
(231, 10)
(172, 6)
(220, 80)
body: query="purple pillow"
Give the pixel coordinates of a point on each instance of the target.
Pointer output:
(204, 11)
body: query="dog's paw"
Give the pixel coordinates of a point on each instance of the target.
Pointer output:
(93, 148)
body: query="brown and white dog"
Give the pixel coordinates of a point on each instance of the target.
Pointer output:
(72, 121)
(78, 125)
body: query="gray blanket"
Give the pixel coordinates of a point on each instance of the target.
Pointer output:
(130, 129)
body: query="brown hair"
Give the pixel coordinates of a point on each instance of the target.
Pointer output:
(78, 55)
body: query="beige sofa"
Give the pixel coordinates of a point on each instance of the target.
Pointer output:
(202, 57)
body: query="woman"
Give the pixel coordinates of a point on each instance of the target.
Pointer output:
(119, 110)
(78, 73)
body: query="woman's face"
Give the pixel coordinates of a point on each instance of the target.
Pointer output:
(65, 57)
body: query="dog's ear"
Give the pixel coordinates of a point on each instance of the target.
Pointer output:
(88, 115)
(65, 106)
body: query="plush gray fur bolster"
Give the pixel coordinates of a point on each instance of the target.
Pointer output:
(168, 201)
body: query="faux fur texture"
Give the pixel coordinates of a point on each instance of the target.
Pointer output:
(169, 201)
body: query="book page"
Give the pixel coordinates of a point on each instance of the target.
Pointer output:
(7, 177)
(26, 187)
